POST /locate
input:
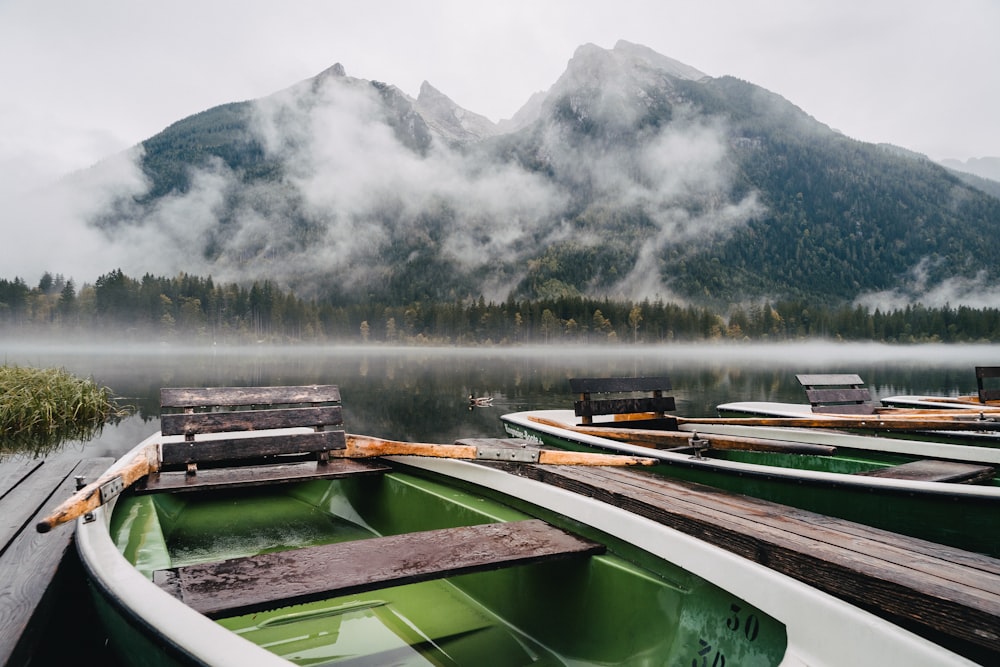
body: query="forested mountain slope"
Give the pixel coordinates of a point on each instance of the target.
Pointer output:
(634, 176)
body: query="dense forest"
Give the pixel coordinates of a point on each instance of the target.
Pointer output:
(195, 309)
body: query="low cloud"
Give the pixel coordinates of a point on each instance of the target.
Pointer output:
(356, 188)
(50, 224)
(974, 292)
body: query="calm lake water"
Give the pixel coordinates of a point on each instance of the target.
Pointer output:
(422, 393)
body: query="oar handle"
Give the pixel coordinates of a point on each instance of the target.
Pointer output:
(363, 446)
(101, 491)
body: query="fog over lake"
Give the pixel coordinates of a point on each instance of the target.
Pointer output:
(419, 393)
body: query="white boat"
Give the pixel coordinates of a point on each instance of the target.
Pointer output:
(818, 628)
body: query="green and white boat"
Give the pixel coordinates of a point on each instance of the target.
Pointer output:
(638, 593)
(876, 481)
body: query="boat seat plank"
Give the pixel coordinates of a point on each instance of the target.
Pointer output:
(930, 588)
(249, 420)
(646, 411)
(936, 471)
(256, 475)
(841, 395)
(241, 424)
(618, 384)
(195, 397)
(987, 394)
(615, 406)
(828, 379)
(837, 393)
(258, 446)
(267, 581)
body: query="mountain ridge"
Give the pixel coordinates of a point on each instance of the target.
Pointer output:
(632, 176)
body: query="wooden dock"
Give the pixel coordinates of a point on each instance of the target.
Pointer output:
(947, 595)
(29, 561)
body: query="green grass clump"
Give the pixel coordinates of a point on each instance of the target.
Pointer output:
(42, 407)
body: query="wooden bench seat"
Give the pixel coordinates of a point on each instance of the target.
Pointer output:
(229, 428)
(937, 471)
(648, 412)
(267, 581)
(987, 394)
(837, 394)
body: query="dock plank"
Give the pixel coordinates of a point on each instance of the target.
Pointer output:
(245, 585)
(35, 486)
(13, 472)
(930, 588)
(29, 560)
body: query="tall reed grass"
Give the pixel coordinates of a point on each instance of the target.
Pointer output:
(40, 408)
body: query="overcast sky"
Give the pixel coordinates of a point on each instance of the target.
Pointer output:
(84, 80)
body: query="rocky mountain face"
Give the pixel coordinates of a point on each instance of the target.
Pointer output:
(634, 176)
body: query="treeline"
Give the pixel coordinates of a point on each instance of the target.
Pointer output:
(190, 308)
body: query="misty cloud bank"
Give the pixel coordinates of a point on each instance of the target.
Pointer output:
(352, 190)
(954, 291)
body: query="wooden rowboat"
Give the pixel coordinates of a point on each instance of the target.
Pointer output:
(422, 559)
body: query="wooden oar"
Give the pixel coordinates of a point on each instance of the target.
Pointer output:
(680, 439)
(363, 446)
(107, 486)
(882, 422)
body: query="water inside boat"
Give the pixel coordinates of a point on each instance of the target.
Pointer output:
(622, 607)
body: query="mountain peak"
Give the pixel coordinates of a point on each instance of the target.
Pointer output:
(336, 70)
(626, 57)
(449, 119)
(652, 58)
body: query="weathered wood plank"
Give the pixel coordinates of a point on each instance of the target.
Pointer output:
(983, 373)
(30, 560)
(188, 397)
(611, 406)
(22, 503)
(618, 385)
(232, 449)
(249, 420)
(850, 409)
(827, 379)
(13, 472)
(245, 585)
(901, 578)
(940, 560)
(936, 471)
(257, 475)
(824, 396)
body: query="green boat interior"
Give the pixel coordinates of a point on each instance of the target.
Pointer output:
(622, 606)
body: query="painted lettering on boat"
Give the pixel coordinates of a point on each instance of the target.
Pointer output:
(747, 626)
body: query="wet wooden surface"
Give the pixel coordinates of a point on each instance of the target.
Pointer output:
(29, 490)
(245, 585)
(937, 471)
